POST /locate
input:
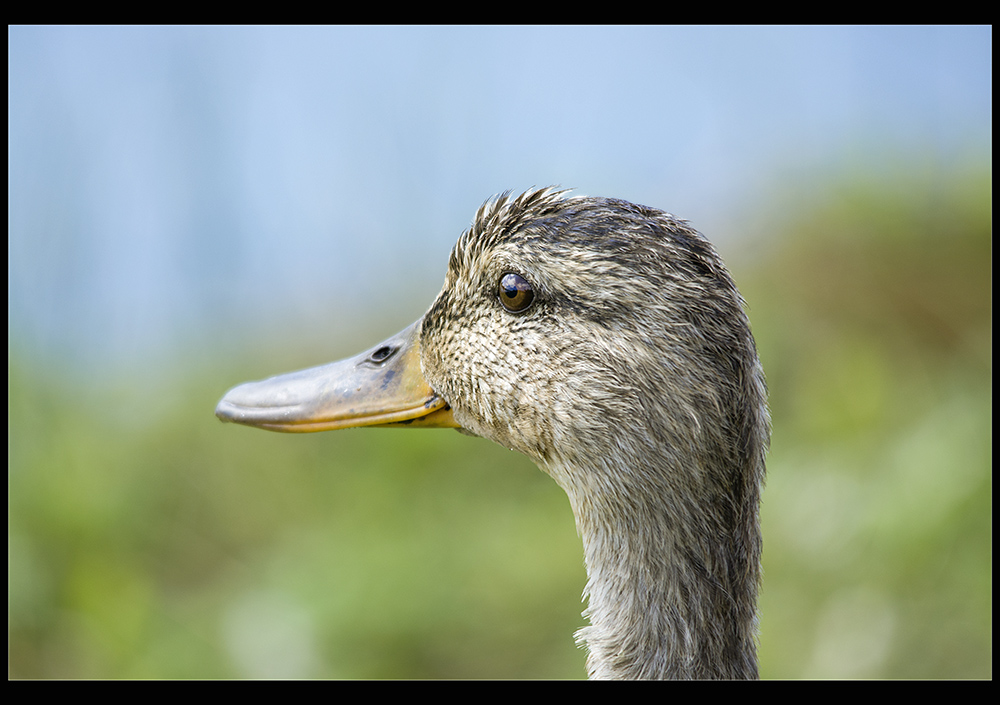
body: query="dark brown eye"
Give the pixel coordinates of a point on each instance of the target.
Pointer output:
(515, 293)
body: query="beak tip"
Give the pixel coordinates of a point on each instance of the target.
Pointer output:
(224, 411)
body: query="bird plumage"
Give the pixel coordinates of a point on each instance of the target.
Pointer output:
(607, 341)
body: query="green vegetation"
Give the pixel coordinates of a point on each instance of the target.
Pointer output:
(874, 320)
(175, 547)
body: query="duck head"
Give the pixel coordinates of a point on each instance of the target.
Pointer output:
(606, 341)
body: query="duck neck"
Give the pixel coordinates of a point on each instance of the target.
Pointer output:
(672, 593)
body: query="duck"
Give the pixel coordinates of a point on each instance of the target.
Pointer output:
(607, 342)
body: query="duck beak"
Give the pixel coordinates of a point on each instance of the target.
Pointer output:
(381, 387)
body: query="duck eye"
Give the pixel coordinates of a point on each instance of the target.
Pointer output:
(515, 293)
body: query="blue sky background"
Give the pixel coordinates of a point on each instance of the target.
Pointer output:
(194, 189)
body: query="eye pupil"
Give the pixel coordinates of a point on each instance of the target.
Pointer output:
(515, 293)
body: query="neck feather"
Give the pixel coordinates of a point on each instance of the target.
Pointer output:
(672, 574)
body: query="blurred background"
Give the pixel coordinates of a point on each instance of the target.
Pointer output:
(190, 208)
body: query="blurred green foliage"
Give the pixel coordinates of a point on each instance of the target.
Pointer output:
(150, 541)
(873, 315)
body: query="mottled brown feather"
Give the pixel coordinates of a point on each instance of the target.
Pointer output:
(633, 380)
